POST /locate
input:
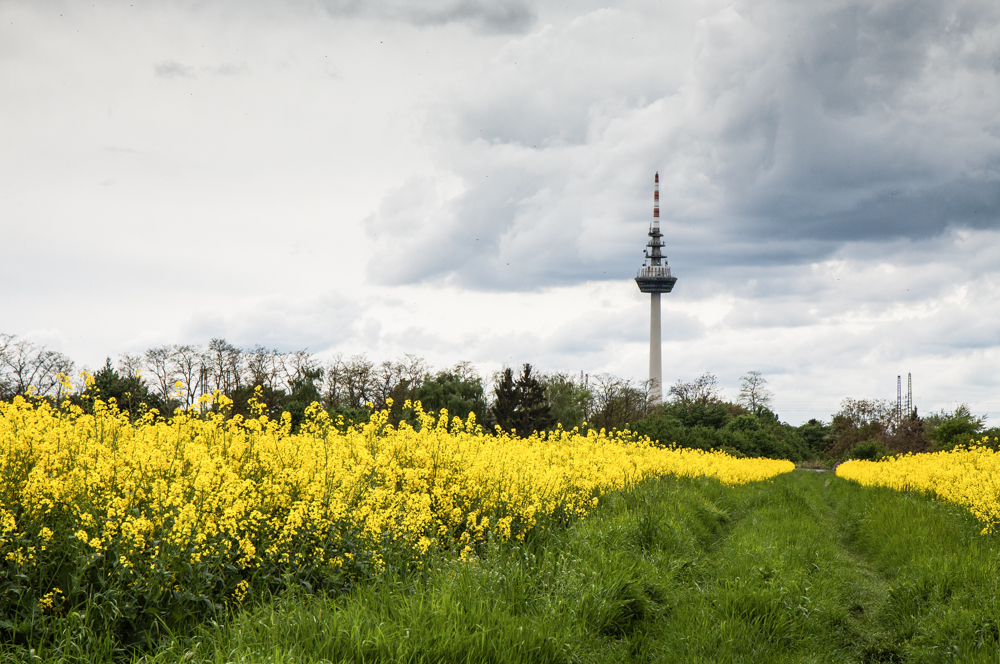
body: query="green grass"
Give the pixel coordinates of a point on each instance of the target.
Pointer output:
(805, 568)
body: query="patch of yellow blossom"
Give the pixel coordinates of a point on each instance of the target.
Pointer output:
(200, 484)
(241, 590)
(966, 475)
(49, 602)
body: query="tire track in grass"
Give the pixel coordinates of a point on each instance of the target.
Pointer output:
(819, 569)
(783, 585)
(944, 577)
(867, 599)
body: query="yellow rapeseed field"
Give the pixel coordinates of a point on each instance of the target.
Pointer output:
(967, 475)
(153, 499)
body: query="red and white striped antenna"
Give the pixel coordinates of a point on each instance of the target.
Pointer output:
(656, 199)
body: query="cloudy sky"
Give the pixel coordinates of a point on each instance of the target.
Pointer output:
(472, 180)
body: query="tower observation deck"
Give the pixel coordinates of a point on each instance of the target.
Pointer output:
(655, 278)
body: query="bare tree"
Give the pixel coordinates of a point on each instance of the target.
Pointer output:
(336, 377)
(298, 366)
(398, 379)
(159, 362)
(265, 366)
(187, 362)
(386, 377)
(350, 383)
(753, 394)
(49, 380)
(28, 366)
(19, 366)
(6, 387)
(702, 391)
(130, 365)
(234, 366)
(616, 401)
(413, 369)
(224, 363)
(361, 381)
(464, 370)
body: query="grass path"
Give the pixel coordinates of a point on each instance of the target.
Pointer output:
(805, 568)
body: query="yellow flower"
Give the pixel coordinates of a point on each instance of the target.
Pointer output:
(47, 602)
(211, 486)
(241, 590)
(967, 476)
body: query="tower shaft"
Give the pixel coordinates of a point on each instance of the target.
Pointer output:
(655, 360)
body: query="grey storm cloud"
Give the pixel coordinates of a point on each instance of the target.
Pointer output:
(489, 16)
(782, 131)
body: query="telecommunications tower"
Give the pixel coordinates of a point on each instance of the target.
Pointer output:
(654, 279)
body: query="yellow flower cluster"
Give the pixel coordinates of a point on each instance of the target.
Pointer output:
(248, 490)
(968, 476)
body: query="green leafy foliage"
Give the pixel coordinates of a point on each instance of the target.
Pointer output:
(869, 450)
(815, 433)
(460, 395)
(959, 427)
(720, 426)
(270, 399)
(568, 399)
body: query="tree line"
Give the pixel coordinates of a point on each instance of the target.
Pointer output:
(174, 376)
(695, 413)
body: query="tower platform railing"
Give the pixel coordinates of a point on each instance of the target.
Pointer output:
(654, 272)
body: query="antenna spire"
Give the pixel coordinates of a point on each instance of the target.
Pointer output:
(656, 199)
